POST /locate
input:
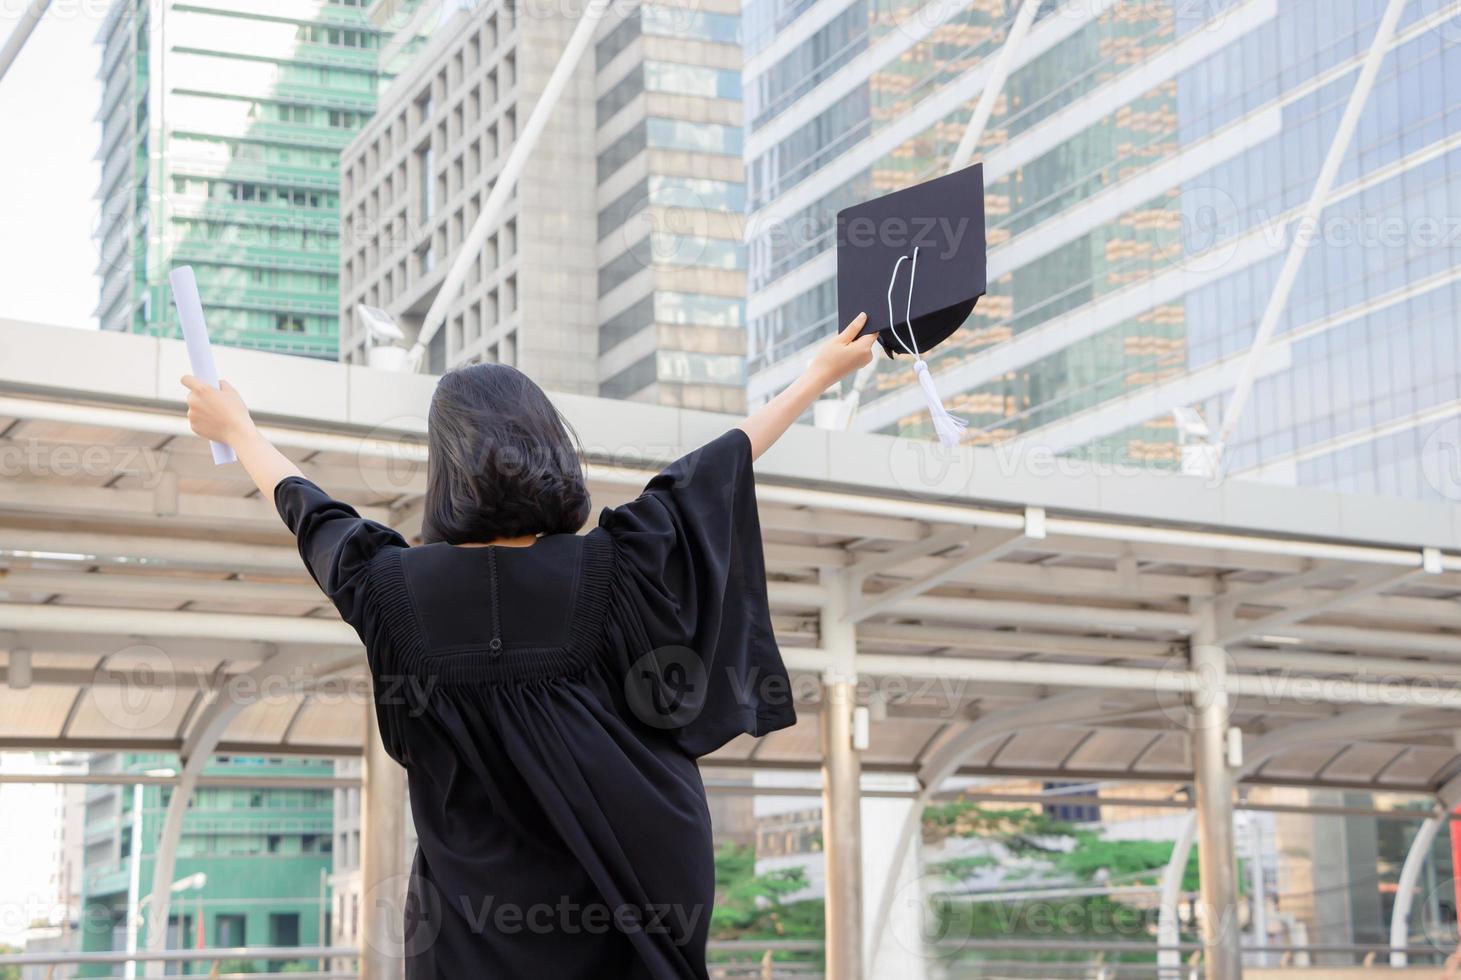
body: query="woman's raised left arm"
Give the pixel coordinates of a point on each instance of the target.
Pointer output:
(835, 359)
(219, 414)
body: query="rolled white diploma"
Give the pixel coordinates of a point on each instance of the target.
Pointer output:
(195, 336)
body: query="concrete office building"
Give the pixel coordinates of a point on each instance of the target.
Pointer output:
(1143, 165)
(617, 267)
(345, 879)
(222, 123)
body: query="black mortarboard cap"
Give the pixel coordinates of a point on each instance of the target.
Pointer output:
(914, 262)
(943, 220)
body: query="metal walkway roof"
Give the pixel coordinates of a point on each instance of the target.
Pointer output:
(1015, 614)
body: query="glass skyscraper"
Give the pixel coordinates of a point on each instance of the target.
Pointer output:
(222, 125)
(1143, 167)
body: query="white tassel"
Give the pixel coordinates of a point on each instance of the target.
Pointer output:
(950, 428)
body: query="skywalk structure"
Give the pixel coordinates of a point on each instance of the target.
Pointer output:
(1078, 625)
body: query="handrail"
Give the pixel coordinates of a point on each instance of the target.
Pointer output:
(63, 957)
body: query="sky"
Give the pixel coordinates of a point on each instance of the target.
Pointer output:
(27, 814)
(47, 258)
(47, 101)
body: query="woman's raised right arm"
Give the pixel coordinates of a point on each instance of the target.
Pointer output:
(834, 360)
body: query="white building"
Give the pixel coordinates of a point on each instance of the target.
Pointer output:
(617, 268)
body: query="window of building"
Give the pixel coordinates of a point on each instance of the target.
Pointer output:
(229, 930)
(677, 134)
(621, 151)
(691, 308)
(697, 250)
(623, 93)
(686, 367)
(709, 83)
(638, 375)
(622, 326)
(628, 204)
(618, 39)
(283, 931)
(426, 182)
(624, 267)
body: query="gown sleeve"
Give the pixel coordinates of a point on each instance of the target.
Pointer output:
(692, 577)
(336, 543)
(337, 546)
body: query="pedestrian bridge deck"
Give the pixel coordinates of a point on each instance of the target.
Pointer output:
(983, 586)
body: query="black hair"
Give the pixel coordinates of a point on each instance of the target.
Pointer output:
(501, 461)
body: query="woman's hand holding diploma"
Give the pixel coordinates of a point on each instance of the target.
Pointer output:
(834, 360)
(220, 415)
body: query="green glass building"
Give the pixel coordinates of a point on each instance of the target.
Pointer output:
(265, 854)
(222, 123)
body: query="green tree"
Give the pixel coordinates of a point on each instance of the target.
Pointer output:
(1055, 853)
(749, 906)
(752, 906)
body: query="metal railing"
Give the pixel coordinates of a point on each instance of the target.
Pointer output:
(61, 963)
(986, 959)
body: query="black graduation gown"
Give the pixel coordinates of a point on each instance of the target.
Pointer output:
(549, 703)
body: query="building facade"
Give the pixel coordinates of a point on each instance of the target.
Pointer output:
(617, 267)
(1143, 167)
(265, 854)
(671, 199)
(346, 890)
(43, 878)
(222, 124)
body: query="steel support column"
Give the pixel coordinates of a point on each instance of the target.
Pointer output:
(841, 828)
(1214, 789)
(841, 787)
(383, 869)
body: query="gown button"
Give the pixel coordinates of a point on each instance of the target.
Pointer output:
(495, 646)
